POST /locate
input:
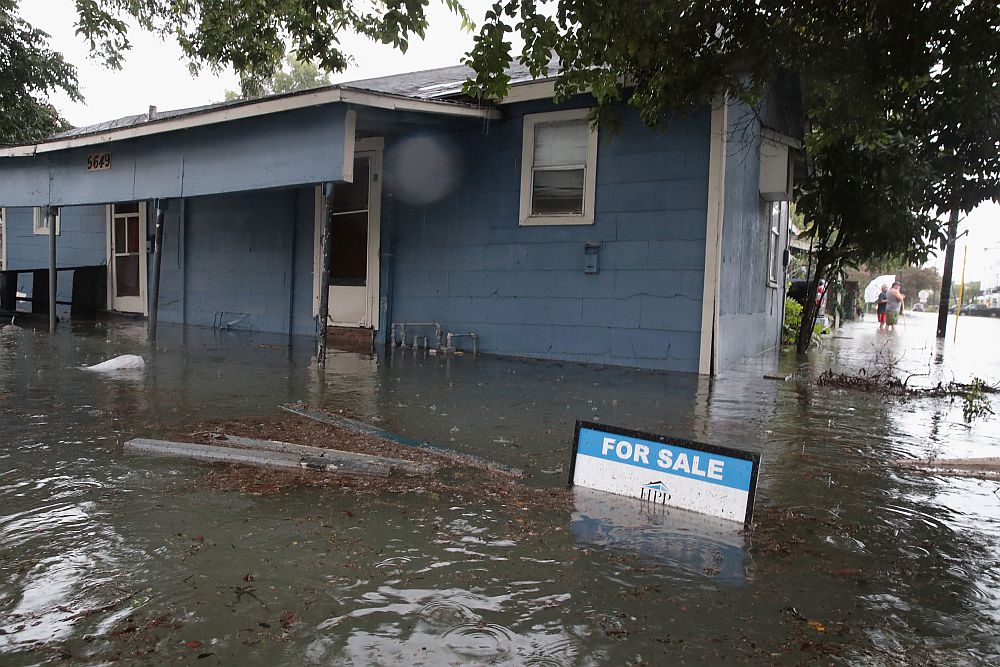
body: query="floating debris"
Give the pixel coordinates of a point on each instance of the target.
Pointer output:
(126, 362)
(331, 461)
(367, 429)
(978, 468)
(333, 455)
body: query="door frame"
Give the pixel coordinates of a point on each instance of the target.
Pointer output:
(3, 238)
(143, 297)
(373, 146)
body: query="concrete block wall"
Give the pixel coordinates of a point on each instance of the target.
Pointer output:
(750, 310)
(82, 241)
(241, 259)
(464, 261)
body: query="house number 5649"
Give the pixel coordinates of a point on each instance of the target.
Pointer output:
(98, 161)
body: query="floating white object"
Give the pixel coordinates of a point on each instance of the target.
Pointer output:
(122, 363)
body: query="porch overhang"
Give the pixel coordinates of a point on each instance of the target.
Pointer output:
(284, 141)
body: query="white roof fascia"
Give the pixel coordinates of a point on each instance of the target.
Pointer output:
(776, 137)
(539, 89)
(259, 108)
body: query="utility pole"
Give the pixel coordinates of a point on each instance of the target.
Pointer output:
(949, 265)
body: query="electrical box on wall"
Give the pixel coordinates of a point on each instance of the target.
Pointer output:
(590, 249)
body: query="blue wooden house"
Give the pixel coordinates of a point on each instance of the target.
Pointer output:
(520, 221)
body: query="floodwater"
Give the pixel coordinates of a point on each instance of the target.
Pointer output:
(110, 558)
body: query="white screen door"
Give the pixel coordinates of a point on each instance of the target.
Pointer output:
(354, 264)
(127, 257)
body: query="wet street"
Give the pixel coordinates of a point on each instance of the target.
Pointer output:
(106, 557)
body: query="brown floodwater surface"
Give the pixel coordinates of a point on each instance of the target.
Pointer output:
(107, 557)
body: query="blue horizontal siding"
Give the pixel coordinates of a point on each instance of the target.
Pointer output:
(463, 259)
(246, 260)
(750, 311)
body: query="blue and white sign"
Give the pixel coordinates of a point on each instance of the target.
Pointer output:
(679, 473)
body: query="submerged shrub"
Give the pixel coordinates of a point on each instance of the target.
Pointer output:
(793, 318)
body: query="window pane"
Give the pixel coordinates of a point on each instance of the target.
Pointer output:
(349, 249)
(130, 207)
(557, 192)
(133, 234)
(561, 144)
(120, 246)
(127, 275)
(353, 196)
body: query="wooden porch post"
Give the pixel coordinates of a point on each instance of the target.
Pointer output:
(50, 216)
(154, 290)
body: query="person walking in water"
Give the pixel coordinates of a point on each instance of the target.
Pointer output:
(893, 306)
(883, 299)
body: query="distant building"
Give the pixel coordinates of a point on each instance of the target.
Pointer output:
(990, 284)
(519, 221)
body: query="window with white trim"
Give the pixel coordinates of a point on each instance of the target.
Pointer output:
(558, 168)
(777, 216)
(40, 223)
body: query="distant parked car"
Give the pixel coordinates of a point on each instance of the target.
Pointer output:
(918, 307)
(976, 309)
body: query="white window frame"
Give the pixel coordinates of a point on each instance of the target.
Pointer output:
(40, 224)
(774, 224)
(527, 169)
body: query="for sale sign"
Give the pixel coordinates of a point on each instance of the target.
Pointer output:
(719, 481)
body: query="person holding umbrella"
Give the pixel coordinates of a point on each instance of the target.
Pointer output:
(894, 306)
(883, 300)
(876, 291)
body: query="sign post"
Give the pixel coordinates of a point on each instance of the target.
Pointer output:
(718, 481)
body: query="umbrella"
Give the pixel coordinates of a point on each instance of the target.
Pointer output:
(875, 287)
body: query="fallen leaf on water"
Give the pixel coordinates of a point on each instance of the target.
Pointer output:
(846, 571)
(288, 619)
(817, 626)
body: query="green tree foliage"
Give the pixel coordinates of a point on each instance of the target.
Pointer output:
(253, 36)
(294, 75)
(29, 72)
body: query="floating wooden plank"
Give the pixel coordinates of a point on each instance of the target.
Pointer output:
(332, 455)
(375, 432)
(979, 468)
(265, 459)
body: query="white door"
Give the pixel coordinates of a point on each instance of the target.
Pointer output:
(127, 257)
(354, 244)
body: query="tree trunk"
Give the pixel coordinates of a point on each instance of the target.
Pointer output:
(810, 310)
(949, 265)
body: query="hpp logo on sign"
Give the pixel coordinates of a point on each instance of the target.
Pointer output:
(655, 492)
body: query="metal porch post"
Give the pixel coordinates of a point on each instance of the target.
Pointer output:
(50, 216)
(324, 280)
(154, 291)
